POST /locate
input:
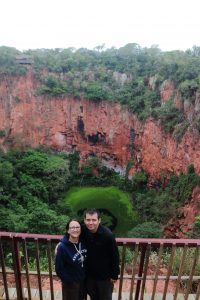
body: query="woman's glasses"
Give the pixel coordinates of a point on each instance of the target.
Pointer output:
(74, 227)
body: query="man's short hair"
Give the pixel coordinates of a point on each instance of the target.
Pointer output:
(92, 211)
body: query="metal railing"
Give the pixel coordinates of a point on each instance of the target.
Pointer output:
(147, 266)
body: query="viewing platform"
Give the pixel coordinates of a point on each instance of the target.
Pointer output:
(149, 268)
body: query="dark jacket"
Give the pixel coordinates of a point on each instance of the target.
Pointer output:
(68, 263)
(102, 256)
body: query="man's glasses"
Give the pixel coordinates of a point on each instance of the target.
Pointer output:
(74, 227)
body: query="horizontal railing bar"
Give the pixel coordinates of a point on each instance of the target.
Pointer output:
(158, 242)
(30, 236)
(120, 241)
(149, 277)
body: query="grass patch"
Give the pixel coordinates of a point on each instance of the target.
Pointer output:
(115, 205)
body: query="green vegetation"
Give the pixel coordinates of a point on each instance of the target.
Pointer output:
(159, 204)
(52, 86)
(169, 116)
(195, 230)
(8, 63)
(40, 190)
(146, 230)
(187, 263)
(117, 209)
(180, 130)
(2, 133)
(181, 187)
(30, 184)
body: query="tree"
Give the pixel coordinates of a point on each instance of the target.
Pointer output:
(146, 230)
(155, 206)
(95, 91)
(169, 116)
(139, 180)
(8, 64)
(44, 220)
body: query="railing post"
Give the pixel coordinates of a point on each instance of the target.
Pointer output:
(134, 262)
(122, 271)
(50, 268)
(2, 262)
(145, 270)
(17, 268)
(27, 268)
(140, 271)
(38, 268)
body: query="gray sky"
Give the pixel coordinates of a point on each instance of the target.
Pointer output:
(31, 24)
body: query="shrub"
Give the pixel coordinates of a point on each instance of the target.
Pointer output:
(146, 230)
(188, 89)
(181, 186)
(195, 232)
(180, 130)
(52, 86)
(169, 116)
(110, 200)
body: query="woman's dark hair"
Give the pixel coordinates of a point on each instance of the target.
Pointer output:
(68, 223)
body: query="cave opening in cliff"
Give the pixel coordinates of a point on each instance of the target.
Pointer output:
(80, 125)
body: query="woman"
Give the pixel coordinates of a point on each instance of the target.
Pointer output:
(70, 256)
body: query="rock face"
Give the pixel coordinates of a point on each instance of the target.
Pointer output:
(101, 128)
(167, 90)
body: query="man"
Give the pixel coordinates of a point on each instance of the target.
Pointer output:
(102, 264)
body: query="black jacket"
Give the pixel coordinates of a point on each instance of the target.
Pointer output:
(102, 253)
(68, 264)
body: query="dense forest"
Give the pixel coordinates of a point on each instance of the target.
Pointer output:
(34, 182)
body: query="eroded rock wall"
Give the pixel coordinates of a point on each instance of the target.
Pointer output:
(102, 128)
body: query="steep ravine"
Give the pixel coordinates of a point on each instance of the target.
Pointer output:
(102, 128)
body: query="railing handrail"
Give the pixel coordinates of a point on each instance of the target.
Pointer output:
(120, 240)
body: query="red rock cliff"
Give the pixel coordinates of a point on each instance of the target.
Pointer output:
(103, 128)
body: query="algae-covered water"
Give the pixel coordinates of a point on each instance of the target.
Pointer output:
(115, 206)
